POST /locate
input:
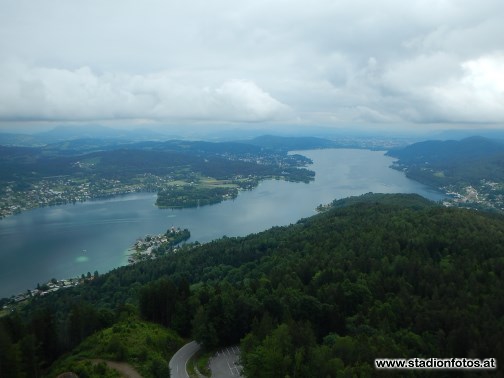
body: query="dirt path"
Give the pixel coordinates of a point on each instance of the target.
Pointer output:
(126, 370)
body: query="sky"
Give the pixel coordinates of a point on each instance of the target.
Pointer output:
(388, 64)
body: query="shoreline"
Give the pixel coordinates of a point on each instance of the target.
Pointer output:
(50, 286)
(145, 248)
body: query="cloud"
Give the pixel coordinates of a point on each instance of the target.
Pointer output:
(35, 93)
(441, 88)
(309, 62)
(477, 95)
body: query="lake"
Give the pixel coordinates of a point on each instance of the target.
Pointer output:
(68, 240)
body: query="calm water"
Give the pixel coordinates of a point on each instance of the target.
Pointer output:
(66, 241)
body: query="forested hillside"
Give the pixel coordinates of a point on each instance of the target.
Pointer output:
(470, 171)
(441, 163)
(375, 276)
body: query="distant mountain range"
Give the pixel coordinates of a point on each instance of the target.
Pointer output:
(65, 140)
(290, 139)
(68, 133)
(78, 137)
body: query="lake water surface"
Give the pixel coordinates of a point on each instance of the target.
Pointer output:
(66, 241)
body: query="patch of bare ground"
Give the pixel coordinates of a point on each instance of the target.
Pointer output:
(126, 370)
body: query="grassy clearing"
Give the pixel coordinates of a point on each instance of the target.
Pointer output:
(178, 182)
(146, 346)
(204, 182)
(211, 182)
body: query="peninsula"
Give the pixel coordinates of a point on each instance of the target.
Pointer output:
(154, 246)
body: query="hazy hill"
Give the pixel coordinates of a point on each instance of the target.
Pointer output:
(466, 133)
(450, 151)
(283, 143)
(70, 133)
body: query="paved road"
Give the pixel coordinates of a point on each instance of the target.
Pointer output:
(179, 360)
(225, 363)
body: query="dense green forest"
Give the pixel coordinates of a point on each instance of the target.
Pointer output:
(191, 196)
(372, 277)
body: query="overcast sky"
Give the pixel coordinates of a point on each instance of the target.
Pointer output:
(343, 63)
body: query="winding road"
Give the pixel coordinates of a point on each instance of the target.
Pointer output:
(179, 360)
